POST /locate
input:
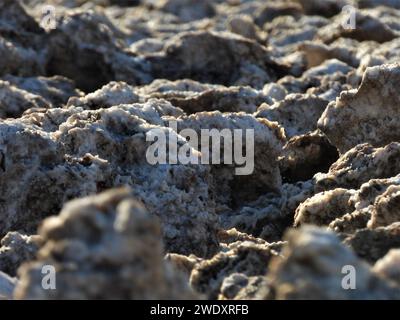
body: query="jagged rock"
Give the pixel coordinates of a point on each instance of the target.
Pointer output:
(358, 165)
(297, 113)
(389, 266)
(103, 247)
(15, 101)
(112, 94)
(267, 144)
(324, 207)
(187, 10)
(92, 55)
(367, 114)
(312, 268)
(326, 8)
(373, 244)
(54, 90)
(90, 151)
(271, 214)
(385, 210)
(305, 155)
(247, 258)
(368, 28)
(198, 97)
(216, 58)
(350, 222)
(15, 249)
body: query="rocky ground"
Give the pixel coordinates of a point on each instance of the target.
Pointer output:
(319, 218)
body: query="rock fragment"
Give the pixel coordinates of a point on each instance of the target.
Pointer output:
(103, 247)
(312, 266)
(366, 115)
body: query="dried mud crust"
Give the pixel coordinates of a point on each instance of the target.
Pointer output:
(77, 192)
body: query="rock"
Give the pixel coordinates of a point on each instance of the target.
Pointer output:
(263, 173)
(388, 266)
(385, 210)
(54, 90)
(103, 247)
(324, 207)
(297, 113)
(358, 165)
(187, 10)
(373, 244)
(211, 276)
(15, 249)
(216, 58)
(270, 215)
(325, 8)
(305, 155)
(366, 115)
(312, 266)
(7, 285)
(91, 55)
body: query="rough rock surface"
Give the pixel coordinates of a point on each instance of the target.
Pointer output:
(315, 254)
(368, 114)
(103, 247)
(87, 89)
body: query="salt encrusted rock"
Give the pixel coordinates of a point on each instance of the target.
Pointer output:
(359, 165)
(268, 142)
(30, 157)
(7, 285)
(93, 150)
(366, 201)
(386, 208)
(297, 113)
(324, 207)
(216, 58)
(18, 60)
(103, 247)
(112, 94)
(389, 266)
(326, 8)
(367, 114)
(15, 101)
(244, 25)
(271, 214)
(187, 10)
(54, 90)
(311, 268)
(247, 258)
(193, 96)
(373, 244)
(305, 155)
(207, 64)
(287, 31)
(271, 10)
(368, 28)
(317, 53)
(92, 55)
(351, 222)
(15, 249)
(18, 26)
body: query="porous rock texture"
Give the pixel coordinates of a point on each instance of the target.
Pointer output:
(86, 87)
(103, 247)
